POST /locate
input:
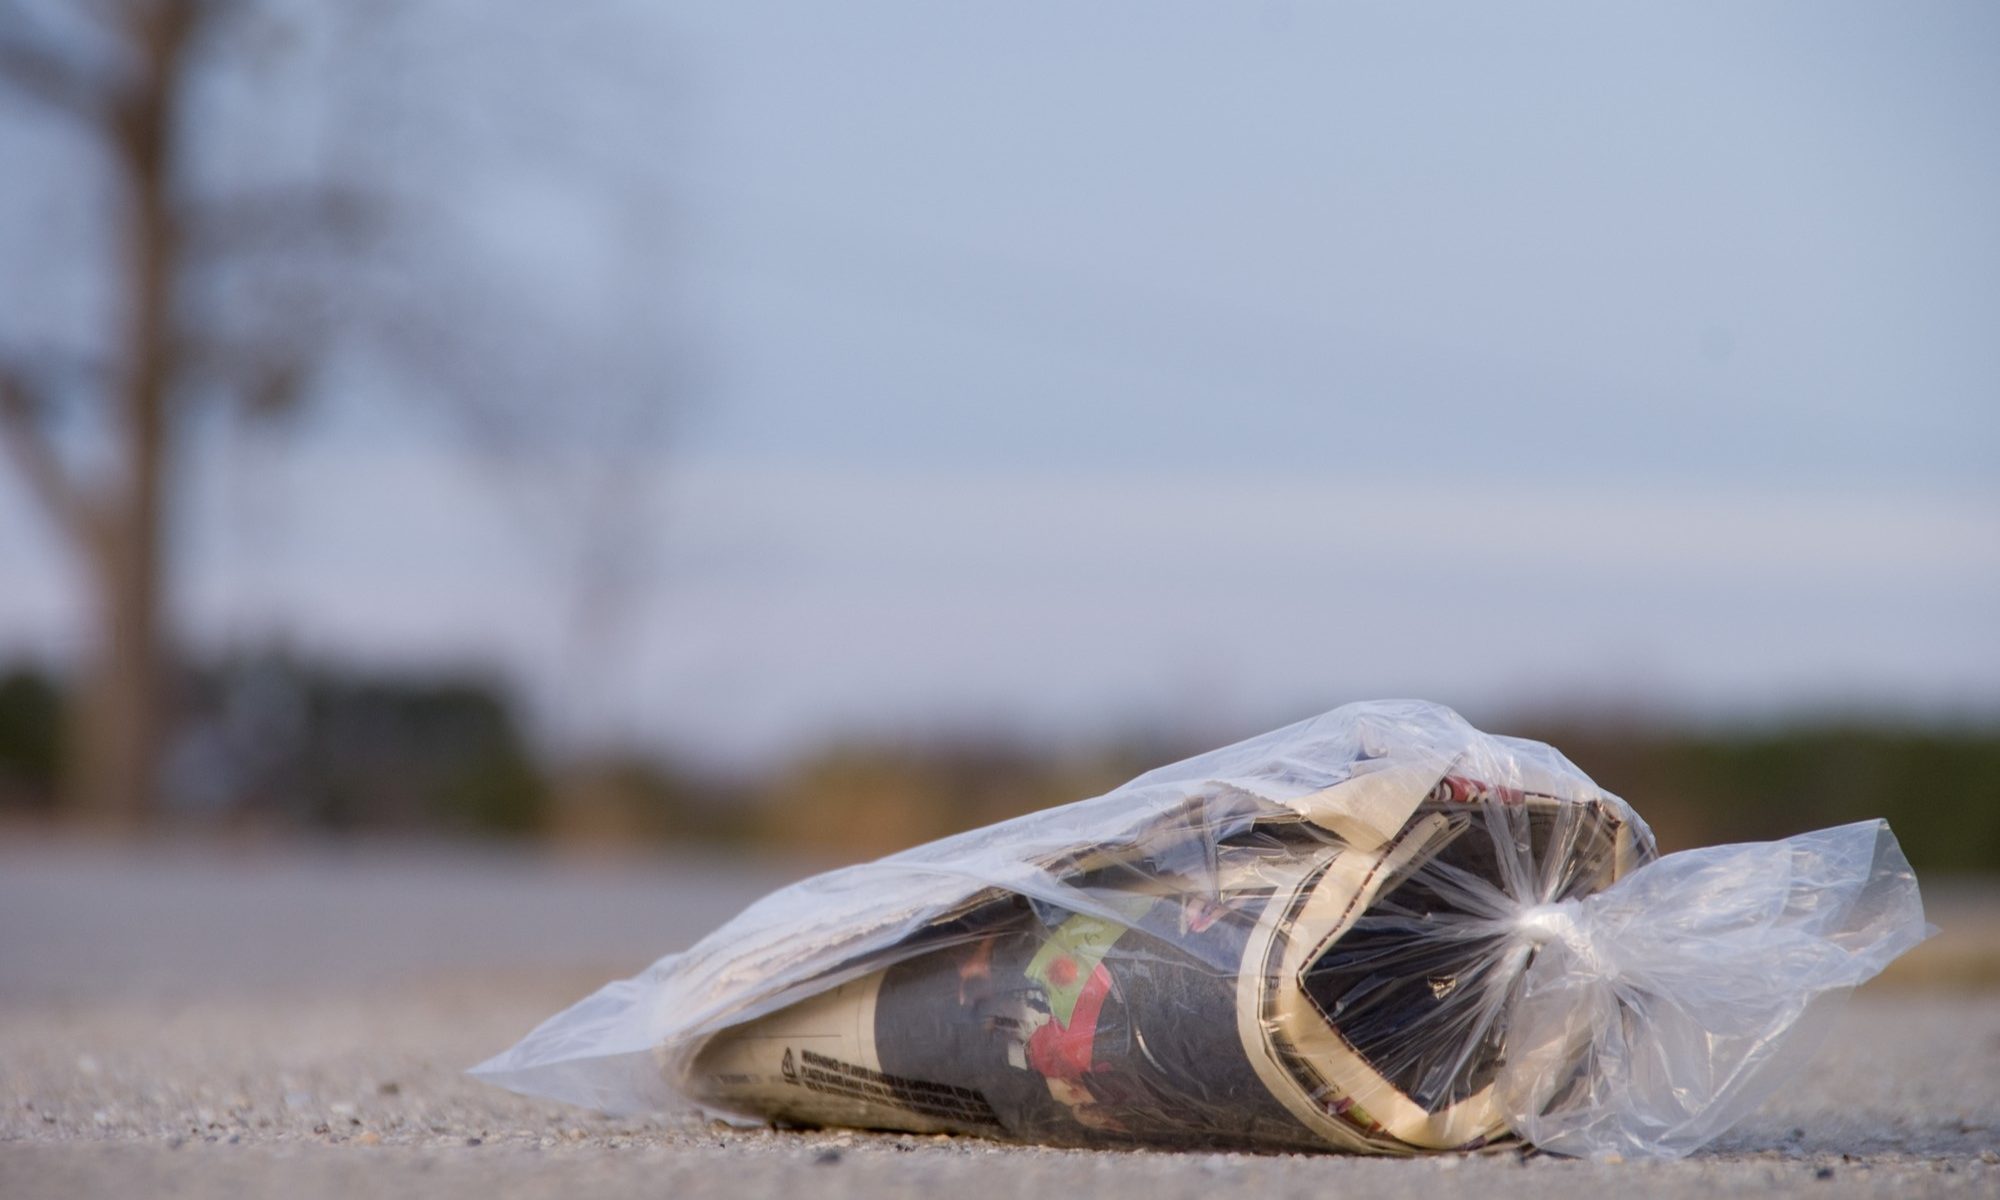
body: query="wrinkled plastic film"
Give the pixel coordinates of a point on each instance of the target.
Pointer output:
(1378, 931)
(1689, 984)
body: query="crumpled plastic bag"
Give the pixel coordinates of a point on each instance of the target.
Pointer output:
(1378, 930)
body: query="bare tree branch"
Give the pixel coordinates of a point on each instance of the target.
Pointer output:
(111, 16)
(27, 443)
(284, 217)
(266, 375)
(60, 85)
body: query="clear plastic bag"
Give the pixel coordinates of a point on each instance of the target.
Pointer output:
(1378, 930)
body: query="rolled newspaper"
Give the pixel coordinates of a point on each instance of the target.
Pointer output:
(1297, 992)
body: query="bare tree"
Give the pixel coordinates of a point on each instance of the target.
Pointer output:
(233, 287)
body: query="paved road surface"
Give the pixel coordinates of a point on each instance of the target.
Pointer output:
(204, 1023)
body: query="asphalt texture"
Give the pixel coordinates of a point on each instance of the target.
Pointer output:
(205, 1022)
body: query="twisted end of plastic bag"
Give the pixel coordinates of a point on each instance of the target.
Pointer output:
(1661, 1011)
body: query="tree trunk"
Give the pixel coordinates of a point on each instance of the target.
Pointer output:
(116, 752)
(119, 718)
(116, 757)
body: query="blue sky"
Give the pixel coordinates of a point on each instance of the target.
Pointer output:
(1074, 368)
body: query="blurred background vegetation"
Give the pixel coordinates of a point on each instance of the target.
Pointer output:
(277, 746)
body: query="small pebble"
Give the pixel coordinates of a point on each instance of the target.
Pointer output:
(1823, 1173)
(390, 1088)
(475, 1141)
(370, 1138)
(826, 1158)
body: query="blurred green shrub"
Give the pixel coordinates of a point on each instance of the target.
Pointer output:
(272, 740)
(30, 739)
(1939, 788)
(433, 754)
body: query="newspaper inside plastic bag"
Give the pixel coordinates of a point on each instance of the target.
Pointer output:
(1378, 930)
